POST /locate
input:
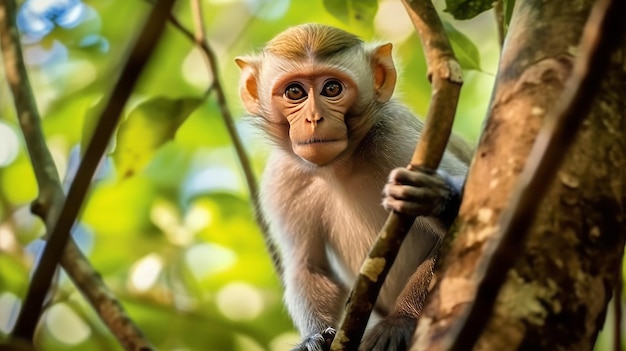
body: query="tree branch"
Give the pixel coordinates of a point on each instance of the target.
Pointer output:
(445, 74)
(28, 115)
(59, 234)
(498, 10)
(617, 311)
(601, 34)
(51, 195)
(199, 38)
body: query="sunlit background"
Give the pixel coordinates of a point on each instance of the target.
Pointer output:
(176, 242)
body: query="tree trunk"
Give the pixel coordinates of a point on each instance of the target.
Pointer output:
(555, 297)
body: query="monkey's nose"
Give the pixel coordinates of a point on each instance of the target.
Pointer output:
(315, 119)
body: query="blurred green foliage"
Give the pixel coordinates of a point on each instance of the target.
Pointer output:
(168, 222)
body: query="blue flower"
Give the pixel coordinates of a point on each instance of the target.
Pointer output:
(37, 18)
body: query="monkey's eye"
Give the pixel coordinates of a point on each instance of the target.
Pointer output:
(295, 92)
(332, 88)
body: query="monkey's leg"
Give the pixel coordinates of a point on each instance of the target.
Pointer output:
(312, 296)
(417, 193)
(395, 331)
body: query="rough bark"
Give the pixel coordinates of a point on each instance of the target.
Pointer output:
(556, 296)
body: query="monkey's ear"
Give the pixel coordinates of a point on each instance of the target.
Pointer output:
(384, 72)
(248, 86)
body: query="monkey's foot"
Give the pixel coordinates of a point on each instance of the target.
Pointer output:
(317, 342)
(393, 333)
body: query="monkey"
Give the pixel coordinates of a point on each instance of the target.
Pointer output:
(323, 98)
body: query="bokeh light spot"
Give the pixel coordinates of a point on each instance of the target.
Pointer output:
(209, 180)
(284, 341)
(221, 2)
(195, 70)
(38, 55)
(9, 310)
(240, 301)
(246, 343)
(392, 22)
(9, 145)
(268, 9)
(65, 325)
(205, 259)
(145, 272)
(198, 217)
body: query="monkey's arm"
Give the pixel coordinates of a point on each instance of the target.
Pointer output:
(312, 295)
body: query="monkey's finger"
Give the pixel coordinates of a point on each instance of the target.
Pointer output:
(408, 207)
(416, 178)
(411, 193)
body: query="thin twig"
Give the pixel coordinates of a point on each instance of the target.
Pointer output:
(58, 238)
(601, 34)
(617, 311)
(498, 11)
(444, 72)
(28, 114)
(76, 265)
(200, 39)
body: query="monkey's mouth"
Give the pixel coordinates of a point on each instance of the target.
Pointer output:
(320, 151)
(317, 141)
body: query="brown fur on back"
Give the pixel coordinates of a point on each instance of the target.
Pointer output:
(311, 40)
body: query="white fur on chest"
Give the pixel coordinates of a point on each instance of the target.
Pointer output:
(344, 214)
(356, 219)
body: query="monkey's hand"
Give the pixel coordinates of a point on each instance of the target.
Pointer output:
(393, 333)
(317, 342)
(422, 193)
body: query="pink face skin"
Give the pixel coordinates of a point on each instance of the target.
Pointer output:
(315, 102)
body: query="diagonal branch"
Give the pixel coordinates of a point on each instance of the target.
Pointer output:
(603, 31)
(51, 195)
(63, 221)
(444, 72)
(199, 38)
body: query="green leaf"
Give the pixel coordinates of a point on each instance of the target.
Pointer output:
(464, 49)
(353, 12)
(466, 9)
(89, 124)
(148, 126)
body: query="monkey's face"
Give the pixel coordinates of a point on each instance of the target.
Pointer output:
(314, 103)
(305, 83)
